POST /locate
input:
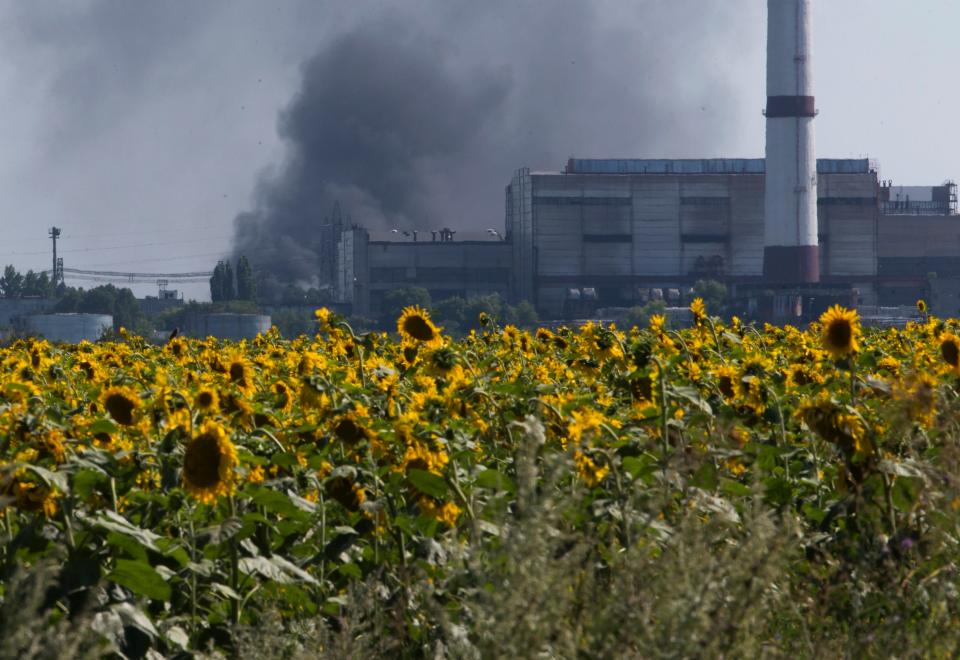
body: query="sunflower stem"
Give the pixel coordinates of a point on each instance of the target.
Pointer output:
(234, 567)
(113, 494)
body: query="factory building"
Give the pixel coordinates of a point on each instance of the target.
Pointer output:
(444, 264)
(616, 231)
(918, 252)
(788, 233)
(619, 228)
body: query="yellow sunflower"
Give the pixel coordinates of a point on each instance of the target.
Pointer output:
(840, 329)
(207, 399)
(209, 463)
(283, 396)
(699, 309)
(241, 373)
(950, 351)
(922, 306)
(414, 323)
(122, 403)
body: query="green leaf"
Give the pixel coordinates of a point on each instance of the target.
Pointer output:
(735, 488)
(495, 480)
(114, 522)
(57, 480)
(285, 459)
(133, 617)
(219, 533)
(275, 568)
(128, 545)
(428, 483)
(224, 591)
(102, 426)
(705, 477)
(901, 469)
(140, 578)
(86, 480)
(639, 466)
(277, 502)
(778, 491)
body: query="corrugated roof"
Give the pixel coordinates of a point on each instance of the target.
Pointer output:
(702, 166)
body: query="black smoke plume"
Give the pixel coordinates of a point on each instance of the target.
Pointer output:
(375, 109)
(418, 120)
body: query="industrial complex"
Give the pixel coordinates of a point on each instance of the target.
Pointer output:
(788, 233)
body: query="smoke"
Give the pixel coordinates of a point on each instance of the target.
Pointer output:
(376, 108)
(418, 118)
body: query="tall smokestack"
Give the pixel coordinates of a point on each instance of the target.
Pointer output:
(790, 252)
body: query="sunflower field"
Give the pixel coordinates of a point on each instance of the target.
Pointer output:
(591, 491)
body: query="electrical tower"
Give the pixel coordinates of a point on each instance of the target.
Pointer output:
(57, 263)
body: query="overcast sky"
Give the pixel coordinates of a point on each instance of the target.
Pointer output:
(143, 129)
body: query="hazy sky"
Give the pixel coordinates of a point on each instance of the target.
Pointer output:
(144, 128)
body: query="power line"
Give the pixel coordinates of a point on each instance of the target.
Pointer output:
(114, 273)
(115, 247)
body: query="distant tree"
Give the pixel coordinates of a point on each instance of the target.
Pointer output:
(714, 296)
(217, 283)
(246, 282)
(11, 283)
(459, 316)
(396, 300)
(229, 291)
(640, 316)
(451, 313)
(37, 285)
(524, 314)
(121, 304)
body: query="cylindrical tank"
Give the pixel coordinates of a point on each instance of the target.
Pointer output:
(226, 326)
(69, 328)
(791, 253)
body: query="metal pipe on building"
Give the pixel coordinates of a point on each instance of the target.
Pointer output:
(791, 251)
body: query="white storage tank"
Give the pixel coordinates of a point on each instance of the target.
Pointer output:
(226, 326)
(69, 328)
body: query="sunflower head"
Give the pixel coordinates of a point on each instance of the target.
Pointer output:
(207, 399)
(283, 396)
(840, 329)
(209, 463)
(349, 494)
(240, 373)
(348, 429)
(922, 306)
(176, 347)
(415, 324)
(699, 309)
(122, 403)
(950, 351)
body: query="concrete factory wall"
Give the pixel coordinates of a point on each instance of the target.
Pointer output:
(913, 250)
(69, 328)
(445, 269)
(621, 234)
(226, 326)
(13, 311)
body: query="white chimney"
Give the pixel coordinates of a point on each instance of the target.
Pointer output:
(791, 252)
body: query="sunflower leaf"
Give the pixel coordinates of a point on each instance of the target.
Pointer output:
(141, 578)
(114, 522)
(428, 483)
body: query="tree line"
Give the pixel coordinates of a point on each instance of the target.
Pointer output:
(225, 286)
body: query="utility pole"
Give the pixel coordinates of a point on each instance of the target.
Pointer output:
(57, 265)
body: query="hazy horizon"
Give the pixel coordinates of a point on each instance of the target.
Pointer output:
(143, 130)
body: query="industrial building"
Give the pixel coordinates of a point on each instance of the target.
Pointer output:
(788, 233)
(618, 229)
(622, 227)
(475, 265)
